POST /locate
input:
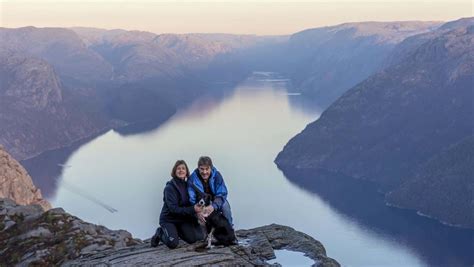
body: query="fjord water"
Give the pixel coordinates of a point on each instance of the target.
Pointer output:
(118, 180)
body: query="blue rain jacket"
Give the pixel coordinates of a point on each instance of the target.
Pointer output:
(217, 185)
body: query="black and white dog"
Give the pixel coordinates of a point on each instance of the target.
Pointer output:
(217, 226)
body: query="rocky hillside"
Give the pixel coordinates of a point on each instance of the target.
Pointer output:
(36, 113)
(405, 49)
(136, 55)
(443, 187)
(16, 184)
(388, 126)
(323, 63)
(30, 236)
(88, 57)
(60, 85)
(118, 77)
(62, 49)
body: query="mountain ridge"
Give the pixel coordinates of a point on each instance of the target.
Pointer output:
(384, 128)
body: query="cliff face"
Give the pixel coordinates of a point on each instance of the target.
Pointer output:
(16, 184)
(61, 48)
(326, 62)
(443, 187)
(36, 113)
(386, 127)
(30, 236)
(60, 85)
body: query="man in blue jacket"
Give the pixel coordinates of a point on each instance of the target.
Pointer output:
(207, 179)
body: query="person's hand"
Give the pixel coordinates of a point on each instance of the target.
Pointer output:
(201, 217)
(198, 208)
(209, 210)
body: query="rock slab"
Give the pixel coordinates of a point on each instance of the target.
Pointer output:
(30, 236)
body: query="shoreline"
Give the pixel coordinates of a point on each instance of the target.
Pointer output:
(421, 214)
(378, 190)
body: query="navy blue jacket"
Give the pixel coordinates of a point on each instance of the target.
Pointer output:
(176, 205)
(217, 185)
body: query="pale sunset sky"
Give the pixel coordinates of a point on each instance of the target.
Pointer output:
(263, 17)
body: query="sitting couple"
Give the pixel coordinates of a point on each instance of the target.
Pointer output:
(182, 212)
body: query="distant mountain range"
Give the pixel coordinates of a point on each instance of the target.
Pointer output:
(36, 113)
(135, 56)
(59, 47)
(117, 77)
(399, 96)
(400, 125)
(60, 85)
(325, 62)
(87, 56)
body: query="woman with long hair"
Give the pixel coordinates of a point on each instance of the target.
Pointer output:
(178, 216)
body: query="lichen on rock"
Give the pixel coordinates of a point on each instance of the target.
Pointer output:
(28, 235)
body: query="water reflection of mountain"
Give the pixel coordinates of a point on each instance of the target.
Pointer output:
(48, 166)
(304, 104)
(142, 126)
(437, 244)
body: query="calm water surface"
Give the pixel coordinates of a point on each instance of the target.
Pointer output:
(242, 132)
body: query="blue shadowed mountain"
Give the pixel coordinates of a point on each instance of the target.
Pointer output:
(388, 128)
(326, 62)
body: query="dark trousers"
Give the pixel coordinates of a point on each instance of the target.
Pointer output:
(190, 232)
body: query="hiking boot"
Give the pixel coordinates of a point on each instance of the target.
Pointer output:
(155, 240)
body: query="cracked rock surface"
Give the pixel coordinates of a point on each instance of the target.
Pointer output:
(28, 235)
(256, 246)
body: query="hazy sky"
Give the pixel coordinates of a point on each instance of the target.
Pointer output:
(253, 17)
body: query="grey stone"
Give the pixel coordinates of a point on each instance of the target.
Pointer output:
(38, 232)
(75, 242)
(8, 224)
(256, 246)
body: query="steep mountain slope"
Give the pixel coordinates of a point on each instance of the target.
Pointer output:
(36, 114)
(325, 62)
(16, 184)
(58, 86)
(61, 48)
(386, 127)
(443, 187)
(139, 55)
(134, 76)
